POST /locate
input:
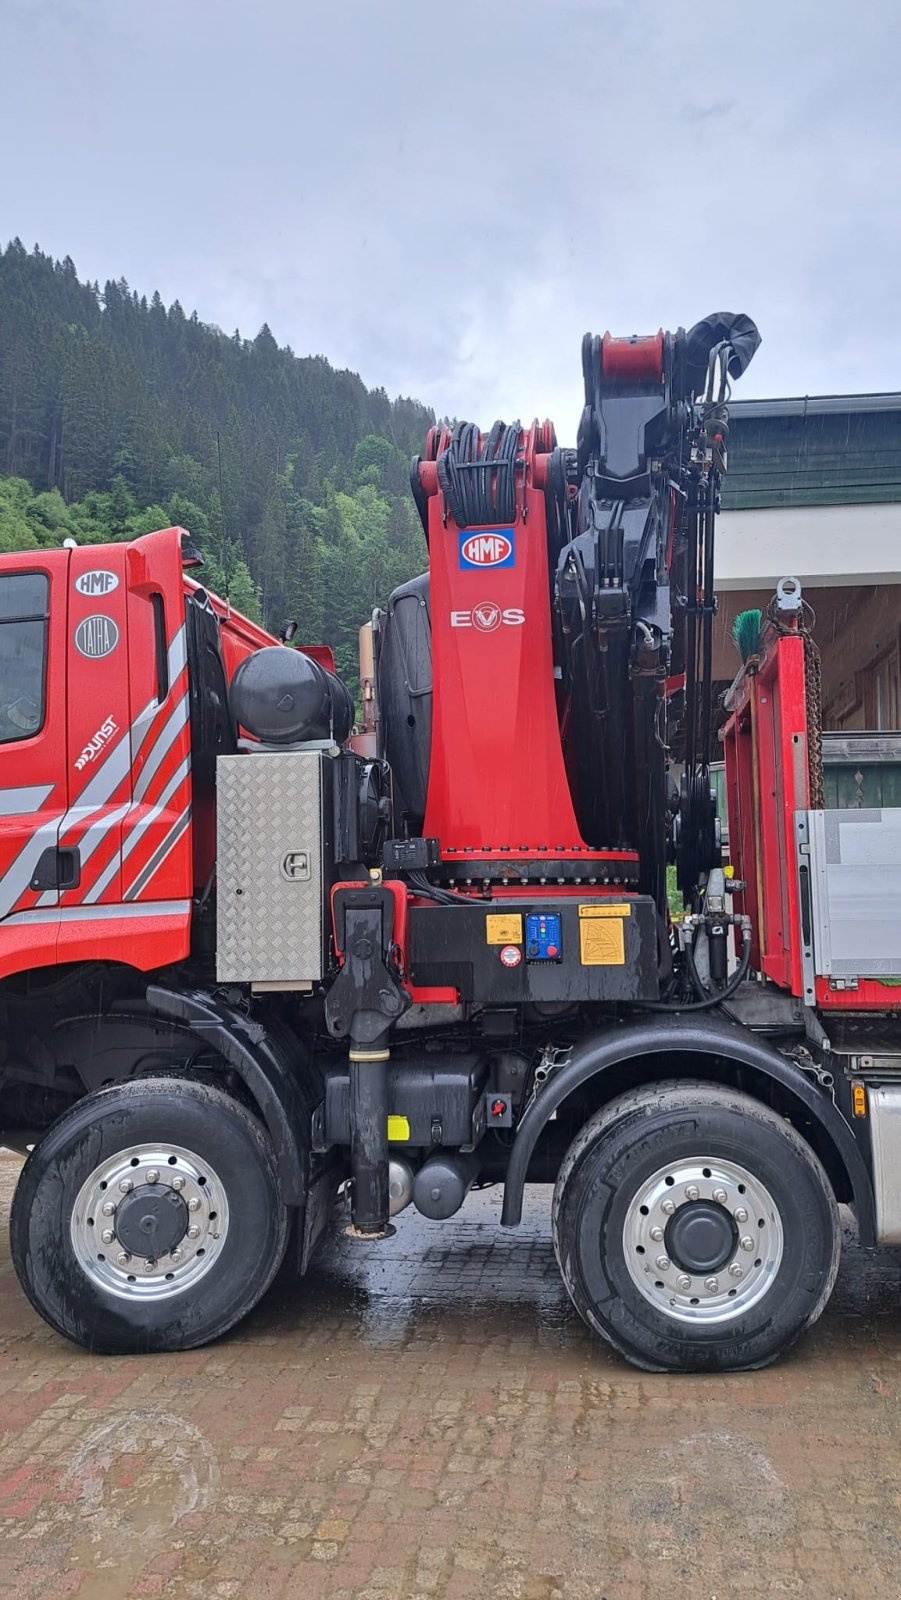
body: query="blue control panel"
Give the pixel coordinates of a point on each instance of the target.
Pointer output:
(543, 938)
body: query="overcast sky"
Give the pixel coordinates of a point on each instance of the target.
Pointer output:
(444, 197)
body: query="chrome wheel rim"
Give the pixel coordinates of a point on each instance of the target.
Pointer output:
(736, 1219)
(149, 1222)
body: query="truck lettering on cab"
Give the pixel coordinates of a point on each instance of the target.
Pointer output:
(94, 745)
(96, 637)
(98, 581)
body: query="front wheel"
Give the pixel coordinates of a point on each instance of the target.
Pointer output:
(695, 1229)
(149, 1217)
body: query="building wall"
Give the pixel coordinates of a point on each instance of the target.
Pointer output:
(858, 632)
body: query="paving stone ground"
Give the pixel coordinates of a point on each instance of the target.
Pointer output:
(429, 1420)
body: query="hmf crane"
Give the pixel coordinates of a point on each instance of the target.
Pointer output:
(252, 959)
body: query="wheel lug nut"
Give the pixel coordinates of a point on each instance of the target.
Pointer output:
(153, 1175)
(193, 1231)
(126, 1185)
(176, 1255)
(662, 1263)
(747, 1243)
(683, 1281)
(711, 1285)
(668, 1206)
(736, 1270)
(741, 1214)
(720, 1196)
(107, 1236)
(656, 1235)
(692, 1192)
(194, 1203)
(123, 1258)
(178, 1181)
(108, 1208)
(149, 1265)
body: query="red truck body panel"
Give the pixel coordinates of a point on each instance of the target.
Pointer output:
(108, 774)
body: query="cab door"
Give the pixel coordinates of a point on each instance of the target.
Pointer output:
(33, 765)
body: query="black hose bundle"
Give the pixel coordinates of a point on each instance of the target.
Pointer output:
(479, 483)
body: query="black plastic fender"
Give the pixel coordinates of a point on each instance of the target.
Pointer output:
(263, 1059)
(657, 1036)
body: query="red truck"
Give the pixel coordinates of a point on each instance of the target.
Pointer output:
(249, 959)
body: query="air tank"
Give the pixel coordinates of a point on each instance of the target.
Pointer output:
(281, 696)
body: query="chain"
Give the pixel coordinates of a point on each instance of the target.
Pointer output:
(814, 702)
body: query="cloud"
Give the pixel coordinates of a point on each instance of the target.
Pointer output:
(445, 202)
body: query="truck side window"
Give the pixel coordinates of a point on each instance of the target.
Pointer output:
(24, 598)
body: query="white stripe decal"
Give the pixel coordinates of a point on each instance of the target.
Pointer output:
(137, 833)
(17, 802)
(143, 908)
(162, 745)
(96, 793)
(159, 855)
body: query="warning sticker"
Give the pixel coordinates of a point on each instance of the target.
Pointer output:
(503, 930)
(398, 1128)
(619, 909)
(601, 941)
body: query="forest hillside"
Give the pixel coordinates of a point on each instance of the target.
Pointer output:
(115, 409)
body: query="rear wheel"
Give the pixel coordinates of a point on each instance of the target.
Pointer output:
(695, 1229)
(149, 1217)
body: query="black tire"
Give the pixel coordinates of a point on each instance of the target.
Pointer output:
(625, 1146)
(186, 1114)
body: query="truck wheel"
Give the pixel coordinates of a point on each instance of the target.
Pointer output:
(695, 1230)
(149, 1217)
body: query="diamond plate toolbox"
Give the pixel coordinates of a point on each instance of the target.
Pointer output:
(270, 813)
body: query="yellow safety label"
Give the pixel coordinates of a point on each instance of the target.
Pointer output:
(601, 942)
(619, 909)
(398, 1128)
(503, 930)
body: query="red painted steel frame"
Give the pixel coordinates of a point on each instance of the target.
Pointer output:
(765, 746)
(497, 781)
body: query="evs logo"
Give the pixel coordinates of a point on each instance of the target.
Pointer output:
(487, 617)
(494, 548)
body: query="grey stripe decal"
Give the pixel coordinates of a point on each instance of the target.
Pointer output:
(159, 855)
(137, 833)
(96, 794)
(16, 802)
(144, 721)
(90, 841)
(143, 908)
(162, 745)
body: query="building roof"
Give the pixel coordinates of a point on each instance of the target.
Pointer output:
(815, 450)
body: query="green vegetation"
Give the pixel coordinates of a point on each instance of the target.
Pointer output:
(110, 407)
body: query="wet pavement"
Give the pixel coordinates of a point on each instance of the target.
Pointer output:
(429, 1420)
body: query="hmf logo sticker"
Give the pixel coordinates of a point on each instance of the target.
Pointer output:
(96, 582)
(487, 617)
(100, 740)
(494, 548)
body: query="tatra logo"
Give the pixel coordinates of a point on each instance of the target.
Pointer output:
(94, 746)
(97, 582)
(486, 617)
(494, 549)
(96, 637)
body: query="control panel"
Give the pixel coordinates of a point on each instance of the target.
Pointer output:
(543, 937)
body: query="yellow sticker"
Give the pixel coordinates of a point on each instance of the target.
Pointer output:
(601, 942)
(503, 930)
(398, 1129)
(617, 910)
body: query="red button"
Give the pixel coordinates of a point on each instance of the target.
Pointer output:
(552, 950)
